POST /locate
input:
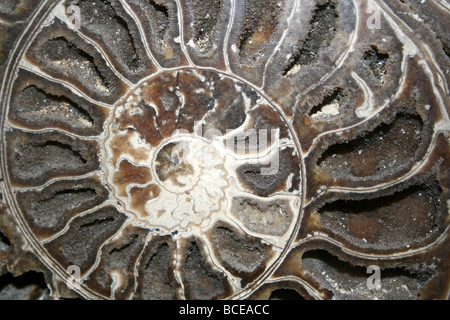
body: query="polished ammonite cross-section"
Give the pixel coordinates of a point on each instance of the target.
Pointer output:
(179, 148)
(226, 149)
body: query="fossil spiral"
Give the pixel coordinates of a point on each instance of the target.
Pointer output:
(226, 149)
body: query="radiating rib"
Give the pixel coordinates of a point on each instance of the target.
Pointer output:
(315, 293)
(26, 65)
(99, 251)
(443, 97)
(105, 58)
(395, 22)
(415, 170)
(227, 36)
(444, 5)
(149, 52)
(320, 235)
(182, 41)
(178, 264)
(343, 129)
(148, 238)
(402, 83)
(81, 214)
(54, 129)
(275, 241)
(342, 58)
(214, 261)
(62, 16)
(280, 42)
(51, 181)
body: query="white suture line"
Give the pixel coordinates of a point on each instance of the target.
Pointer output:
(181, 28)
(227, 36)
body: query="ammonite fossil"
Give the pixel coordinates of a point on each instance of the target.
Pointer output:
(226, 149)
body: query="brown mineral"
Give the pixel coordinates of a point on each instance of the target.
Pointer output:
(224, 149)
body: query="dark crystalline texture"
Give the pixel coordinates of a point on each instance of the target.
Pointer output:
(139, 138)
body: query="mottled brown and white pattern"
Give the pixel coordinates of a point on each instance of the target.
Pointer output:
(226, 149)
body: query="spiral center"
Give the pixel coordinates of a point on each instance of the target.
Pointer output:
(190, 171)
(183, 144)
(161, 169)
(180, 163)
